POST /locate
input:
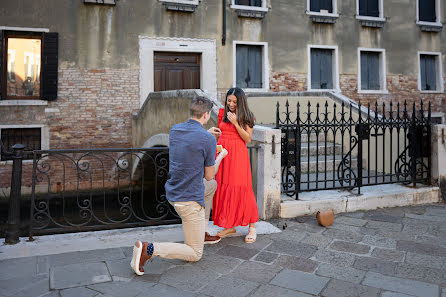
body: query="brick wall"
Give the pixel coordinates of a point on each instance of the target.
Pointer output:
(93, 110)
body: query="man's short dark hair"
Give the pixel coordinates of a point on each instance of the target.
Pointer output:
(199, 106)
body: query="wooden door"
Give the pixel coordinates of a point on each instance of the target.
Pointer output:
(175, 71)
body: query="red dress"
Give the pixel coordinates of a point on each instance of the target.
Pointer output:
(234, 201)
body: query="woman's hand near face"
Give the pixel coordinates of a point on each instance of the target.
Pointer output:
(232, 118)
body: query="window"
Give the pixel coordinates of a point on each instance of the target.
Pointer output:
(29, 137)
(428, 15)
(430, 76)
(250, 66)
(369, 8)
(371, 74)
(323, 6)
(323, 74)
(23, 74)
(250, 8)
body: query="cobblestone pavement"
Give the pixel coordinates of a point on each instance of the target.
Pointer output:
(395, 252)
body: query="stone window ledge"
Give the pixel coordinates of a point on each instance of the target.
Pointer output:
(374, 22)
(431, 92)
(429, 26)
(250, 11)
(318, 17)
(23, 102)
(104, 2)
(180, 5)
(373, 92)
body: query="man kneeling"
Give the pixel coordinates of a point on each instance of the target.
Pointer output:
(191, 157)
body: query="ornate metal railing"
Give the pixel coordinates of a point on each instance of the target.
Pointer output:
(91, 189)
(327, 147)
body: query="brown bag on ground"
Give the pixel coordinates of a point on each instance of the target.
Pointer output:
(325, 218)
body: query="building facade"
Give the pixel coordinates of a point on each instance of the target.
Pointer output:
(73, 72)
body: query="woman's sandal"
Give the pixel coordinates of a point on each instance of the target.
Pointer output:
(252, 235)
(226, 232)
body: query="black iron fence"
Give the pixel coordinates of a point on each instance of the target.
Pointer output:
(331, 147)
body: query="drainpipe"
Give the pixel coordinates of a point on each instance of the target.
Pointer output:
(223, 38)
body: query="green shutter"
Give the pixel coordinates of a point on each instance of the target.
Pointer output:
(50, 66)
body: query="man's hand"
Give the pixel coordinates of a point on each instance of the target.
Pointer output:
(215, 131)
(223, 153)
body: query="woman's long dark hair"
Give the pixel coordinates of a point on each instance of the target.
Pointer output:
(244, 116)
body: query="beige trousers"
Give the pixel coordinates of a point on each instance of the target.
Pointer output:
(194, 220)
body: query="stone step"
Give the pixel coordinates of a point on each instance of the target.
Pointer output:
(320, 149)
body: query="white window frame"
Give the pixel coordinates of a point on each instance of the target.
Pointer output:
(192, 2)
(382, 71)
(438, 15)
(263, 8)
(370, 18)
(439, 74)
(333, 14)
(44, 138)
(335, 66)
(265, 73)
(149, 45)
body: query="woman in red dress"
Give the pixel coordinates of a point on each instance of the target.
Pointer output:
(234, 201)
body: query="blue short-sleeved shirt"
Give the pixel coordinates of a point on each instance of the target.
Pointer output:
(191, 148)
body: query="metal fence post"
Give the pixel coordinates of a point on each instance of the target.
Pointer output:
(13, 226)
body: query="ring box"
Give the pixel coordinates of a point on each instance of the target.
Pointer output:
(219, 148)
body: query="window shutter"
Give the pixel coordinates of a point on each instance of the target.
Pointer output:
(242, 66)
(427, 10)
(423, 71)
(328, 5)
(431, 73)
(2, 42)
(242, 2)
(363, 7)
(364, 71)
(315, 69)
(315, 5)
(50, 66)
(257, 3)
(255, 66)
(373, 8)
(373, 68)
(326, 70)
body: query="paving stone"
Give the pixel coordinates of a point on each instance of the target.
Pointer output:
(306, 227)
(428, 218)
(439, 231)
(292, 248)
(74, 275)
(228, 287)
(394, 294)
(337, 288)
(238, 252)
(318, 240)
(290, 235)
(161, 290)
(122, 268)
(379, 241)
(188, 277)
(270, 290)
(389, 255)
(401, 285)
(357, 214)
(354, 229)
(349, 247)
(35, 289)
(391, 234)
(443, 292)
(382, 217)
(128, 251)
(426, 274)
(12, 286)
(261, 242)
(118, 289)
(348, 274)
(300, 281)
(13, 268)
(78, 292)
(343, 235)
(414, 227)
(421, 248)
(296, 263)
(266, 257)
(217, 263)
(416, 209)
(350, 221)
(384, 225)
(250, 271)
(435, 211)
(377, 265)
(440, 241)
(425, 260)
(334, 257)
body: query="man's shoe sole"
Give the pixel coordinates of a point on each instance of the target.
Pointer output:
(212, 242)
